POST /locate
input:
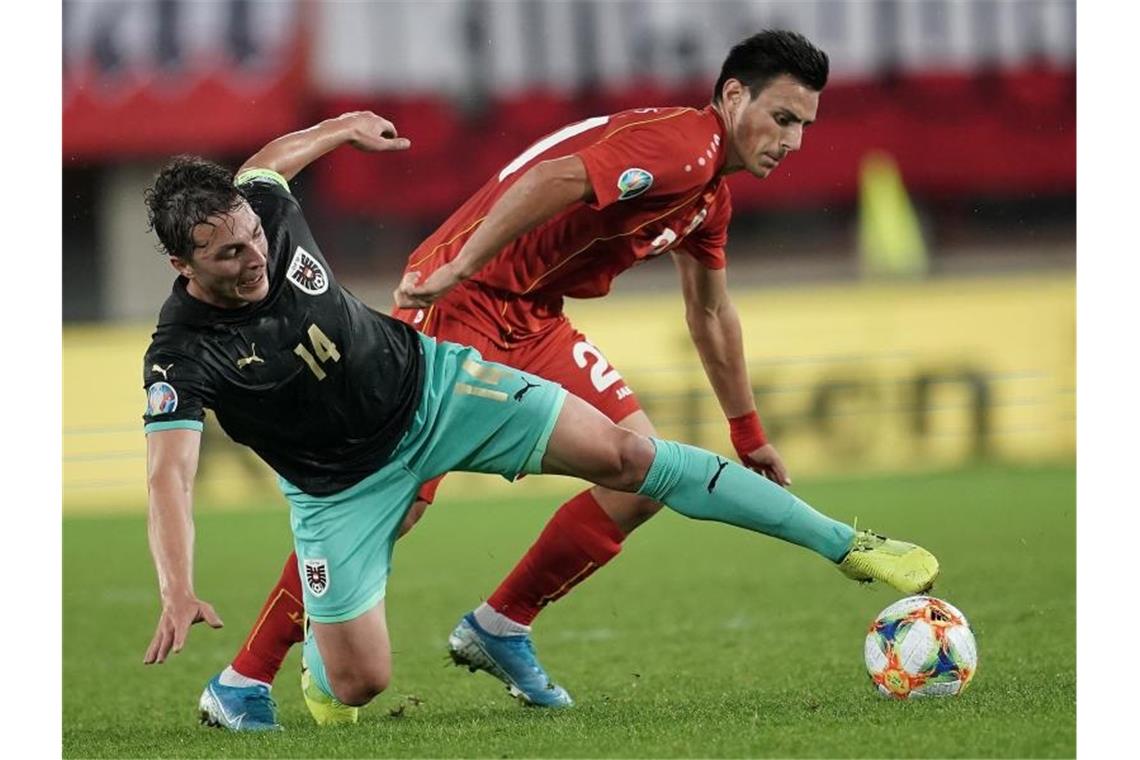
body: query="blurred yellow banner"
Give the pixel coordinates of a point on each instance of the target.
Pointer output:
(848, 378)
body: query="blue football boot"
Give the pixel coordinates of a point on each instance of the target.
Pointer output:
(511, 659)
(237, 708)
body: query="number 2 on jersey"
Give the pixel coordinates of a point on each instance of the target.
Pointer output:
(323, 347)
(598, 374)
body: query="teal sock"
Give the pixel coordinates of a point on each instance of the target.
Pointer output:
(315, 664)
(703, 486)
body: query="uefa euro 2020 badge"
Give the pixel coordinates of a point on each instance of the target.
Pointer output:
(161, 398)
(633, 182)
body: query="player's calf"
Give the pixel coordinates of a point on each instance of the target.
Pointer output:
(626, 510)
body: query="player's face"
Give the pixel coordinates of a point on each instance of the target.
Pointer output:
(228, 268)
(765, 129)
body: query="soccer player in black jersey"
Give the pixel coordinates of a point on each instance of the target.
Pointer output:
(354, 409)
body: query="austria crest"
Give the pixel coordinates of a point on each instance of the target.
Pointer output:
(317, 576)
(307, 273)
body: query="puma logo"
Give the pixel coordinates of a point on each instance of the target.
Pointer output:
(519, 395)
(161, 370)
(245, 361)
(721, 464)
(296, 618)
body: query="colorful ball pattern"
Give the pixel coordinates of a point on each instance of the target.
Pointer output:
(921, 647)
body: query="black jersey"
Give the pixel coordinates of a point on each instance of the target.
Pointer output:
(318, 384)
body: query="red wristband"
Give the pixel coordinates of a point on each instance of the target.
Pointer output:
(747, 433)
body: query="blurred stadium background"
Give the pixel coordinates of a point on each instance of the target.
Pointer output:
(906, 281)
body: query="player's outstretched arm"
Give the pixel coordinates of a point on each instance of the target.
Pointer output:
(546, 189)
(714, 326)
(289, 154)
(172, 462)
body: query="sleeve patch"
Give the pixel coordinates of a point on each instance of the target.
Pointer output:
(633, 182)
(161, 398)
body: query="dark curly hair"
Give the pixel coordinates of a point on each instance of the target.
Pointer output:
(186, 192)
(770, 53)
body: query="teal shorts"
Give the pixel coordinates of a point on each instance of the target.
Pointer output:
(473, 416)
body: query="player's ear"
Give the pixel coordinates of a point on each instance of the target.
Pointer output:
(182, 266)
(732, 92)
(732, 95)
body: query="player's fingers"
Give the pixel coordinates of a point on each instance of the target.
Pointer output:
(402, 293)
(162, 637)
(399, 143)
(210, 616)
(404, 300)
(178, 639)
(779, 471)
(152, 650)
(385, 128)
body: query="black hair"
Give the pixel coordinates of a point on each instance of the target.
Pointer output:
(770, 53)
(187, 192)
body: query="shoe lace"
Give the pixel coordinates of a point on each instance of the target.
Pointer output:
(865, 539)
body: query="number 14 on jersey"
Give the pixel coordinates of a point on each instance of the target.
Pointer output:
(323, 350)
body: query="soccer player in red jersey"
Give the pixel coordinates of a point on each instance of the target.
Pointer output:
(561, 220)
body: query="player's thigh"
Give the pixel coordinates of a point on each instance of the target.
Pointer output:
(357, 653)
(587, 444)
(441, 324)
(478, 416)
(344, 541)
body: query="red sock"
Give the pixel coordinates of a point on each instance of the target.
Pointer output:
(578, 540)
(279, 626)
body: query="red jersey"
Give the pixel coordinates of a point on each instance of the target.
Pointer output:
(655, 175)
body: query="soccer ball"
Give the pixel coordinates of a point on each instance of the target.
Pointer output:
(920, 647)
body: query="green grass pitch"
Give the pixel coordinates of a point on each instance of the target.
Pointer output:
(699, 640)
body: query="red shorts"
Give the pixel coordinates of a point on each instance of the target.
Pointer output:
(561, 354)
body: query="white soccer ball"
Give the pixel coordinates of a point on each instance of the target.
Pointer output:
(920, 647)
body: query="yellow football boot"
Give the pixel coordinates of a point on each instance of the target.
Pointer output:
(906, 567)
(324, 708)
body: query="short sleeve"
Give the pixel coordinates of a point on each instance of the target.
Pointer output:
(707, 242)
(264, 176)
(175, 393)
(638, 161)
(268, 195)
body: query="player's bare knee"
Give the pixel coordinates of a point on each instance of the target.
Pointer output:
(635, 455)
(359, 687)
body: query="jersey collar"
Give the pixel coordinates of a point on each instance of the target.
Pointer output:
(710, 113)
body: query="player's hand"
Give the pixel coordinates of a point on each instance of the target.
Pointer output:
(372, 133)
(178, 614)
(766, 461)
(413, 294)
